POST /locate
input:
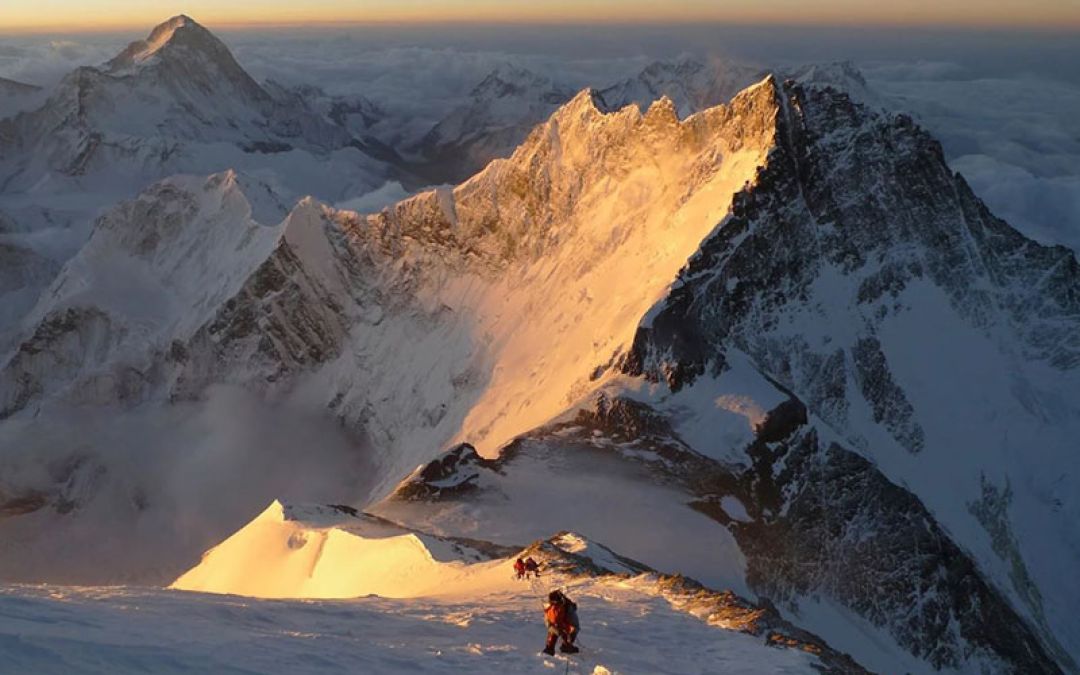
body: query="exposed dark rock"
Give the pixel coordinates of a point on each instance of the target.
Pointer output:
(825, 522)
(453, 474)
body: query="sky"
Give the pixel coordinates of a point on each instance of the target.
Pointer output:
(75, 15)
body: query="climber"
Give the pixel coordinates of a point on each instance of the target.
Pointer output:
(519, 567)
(560, 615)
(532, 566)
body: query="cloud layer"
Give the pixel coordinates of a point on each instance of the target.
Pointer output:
(1016, 140)
(141, 494)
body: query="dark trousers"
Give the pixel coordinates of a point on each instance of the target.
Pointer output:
(554, 635)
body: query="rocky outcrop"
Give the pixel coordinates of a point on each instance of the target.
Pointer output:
(869, 197)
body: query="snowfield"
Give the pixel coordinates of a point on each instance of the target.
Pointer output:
(68, 630)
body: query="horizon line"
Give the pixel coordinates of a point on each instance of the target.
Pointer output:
(759, 22)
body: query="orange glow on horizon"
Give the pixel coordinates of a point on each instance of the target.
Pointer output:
(73, 15)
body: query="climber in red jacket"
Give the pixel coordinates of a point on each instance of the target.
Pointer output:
(560, 615)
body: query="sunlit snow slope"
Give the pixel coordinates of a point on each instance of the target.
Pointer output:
(322, 552)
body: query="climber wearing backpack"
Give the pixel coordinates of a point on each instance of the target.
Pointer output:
(560, 615)
(531, 566)
(519, 568)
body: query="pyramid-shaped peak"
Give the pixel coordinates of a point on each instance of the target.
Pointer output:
(180, 30)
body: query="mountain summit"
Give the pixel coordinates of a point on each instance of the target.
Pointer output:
(176, 102)
(178, 33)
(190, 60)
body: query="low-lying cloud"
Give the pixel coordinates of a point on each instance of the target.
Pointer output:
(1016, 140)
(139, 495)
(45, 61)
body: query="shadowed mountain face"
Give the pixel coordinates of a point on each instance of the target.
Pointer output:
(841, 383)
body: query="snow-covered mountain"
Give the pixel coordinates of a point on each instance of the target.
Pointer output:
(453, 266)
(839, 75)
(501, 111)
(924, 334)
(177, 102)
(13, 88)
(355, 113)
(776, 345)
(359, 116)
(174, 103)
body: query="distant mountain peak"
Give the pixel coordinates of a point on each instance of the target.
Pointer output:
(180, 33)
(508, 79)
(691, 85)
(842, 76)
(684, 66)
(662, 107)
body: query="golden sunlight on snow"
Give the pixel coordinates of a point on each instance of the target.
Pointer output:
(618, 244)
(315, 555)
(744, 406)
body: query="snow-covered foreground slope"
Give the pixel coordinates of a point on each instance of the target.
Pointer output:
(52, 630)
